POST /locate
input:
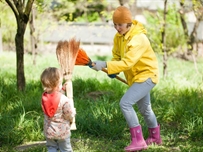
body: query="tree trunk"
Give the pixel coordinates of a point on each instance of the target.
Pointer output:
(193, 36)
(19, 42)
(1, 46)
(163, 41)
(123, 2)
(21, 10)
(32, 37)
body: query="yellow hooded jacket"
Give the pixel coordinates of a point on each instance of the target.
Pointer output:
(133, 54)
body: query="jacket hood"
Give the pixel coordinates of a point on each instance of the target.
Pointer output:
(50, 103)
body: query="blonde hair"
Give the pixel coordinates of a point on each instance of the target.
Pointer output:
(51, 78)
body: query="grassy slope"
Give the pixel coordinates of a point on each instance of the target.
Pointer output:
(176, 100)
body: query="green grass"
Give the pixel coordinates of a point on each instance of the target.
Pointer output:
(177, 101)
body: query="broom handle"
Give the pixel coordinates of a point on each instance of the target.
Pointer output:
(105, 70)
(117, 77)
(69, 91)
(69, 94)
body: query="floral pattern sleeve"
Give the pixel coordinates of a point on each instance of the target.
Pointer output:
(67, 112)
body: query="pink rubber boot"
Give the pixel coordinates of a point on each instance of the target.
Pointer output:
(138, 142)
(154, 136)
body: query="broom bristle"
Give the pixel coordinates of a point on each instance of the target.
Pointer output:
(82, 58)
(61, 56)
(66, 52)
(74, 47)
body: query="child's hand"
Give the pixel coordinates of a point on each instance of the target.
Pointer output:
(71, 121)
(64, 87)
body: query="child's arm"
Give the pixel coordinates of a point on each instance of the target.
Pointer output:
(68, 112)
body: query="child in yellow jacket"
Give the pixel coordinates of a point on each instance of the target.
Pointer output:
(133, 55)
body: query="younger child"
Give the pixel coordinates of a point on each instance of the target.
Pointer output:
(58, 113)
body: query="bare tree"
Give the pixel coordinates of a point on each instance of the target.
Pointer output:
(32, 36)
(163, 41)
(131, 4)
(21, 10)
(1, 47)
(197, 8)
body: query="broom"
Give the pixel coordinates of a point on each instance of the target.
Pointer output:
(83, 59)
(66, 52)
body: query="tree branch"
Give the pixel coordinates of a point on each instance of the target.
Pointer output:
(28, 7)
(13, 7)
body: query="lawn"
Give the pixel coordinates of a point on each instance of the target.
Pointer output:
(177, 101)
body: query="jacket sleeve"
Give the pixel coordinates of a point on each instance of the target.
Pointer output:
(68, 112)
(134, 51)
(116, 51)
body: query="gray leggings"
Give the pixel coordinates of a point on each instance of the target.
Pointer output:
(138, 93)
(64, 145)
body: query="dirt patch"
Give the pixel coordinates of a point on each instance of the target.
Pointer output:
(30, 145)
(98, 94)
